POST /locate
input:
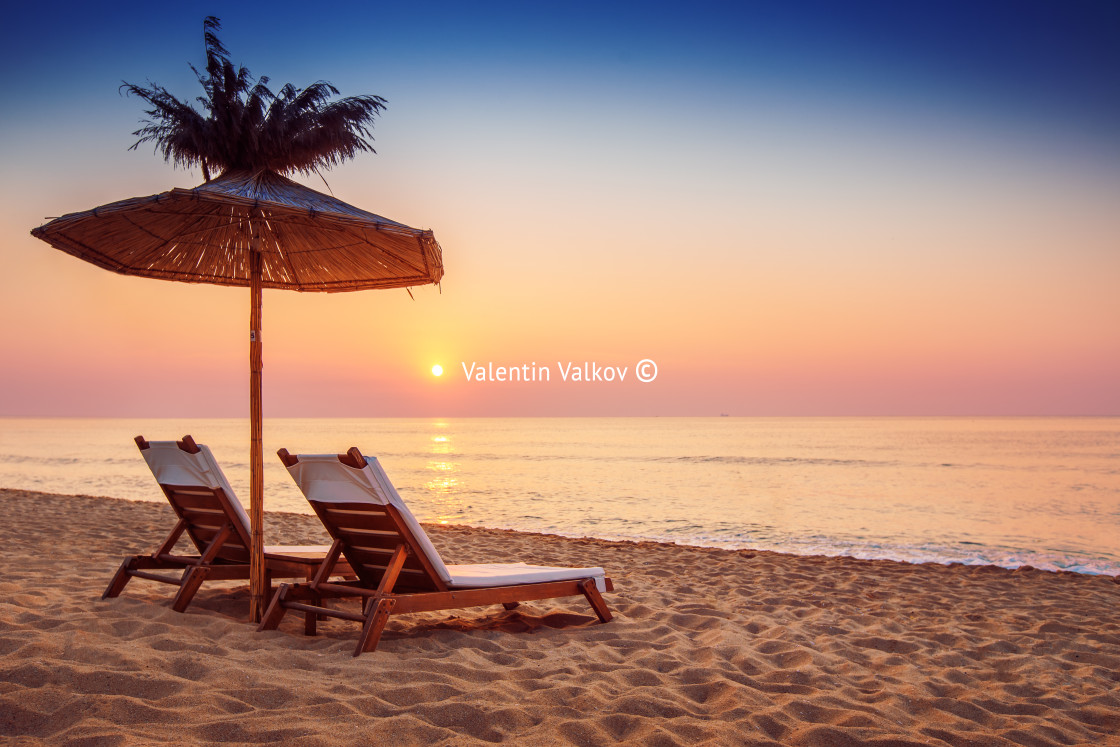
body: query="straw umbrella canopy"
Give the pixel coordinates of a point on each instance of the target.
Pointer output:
(251, 226)
(304, 240)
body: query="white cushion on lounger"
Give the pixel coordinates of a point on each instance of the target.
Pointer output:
(507, 574)
(296, 549)
(173, 466)
(323, 478)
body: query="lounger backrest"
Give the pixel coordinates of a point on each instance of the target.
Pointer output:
(363, 509)
(200, 494)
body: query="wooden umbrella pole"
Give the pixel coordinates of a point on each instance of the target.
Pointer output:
(256, 456)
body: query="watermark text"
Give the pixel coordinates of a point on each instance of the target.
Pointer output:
(591, 372)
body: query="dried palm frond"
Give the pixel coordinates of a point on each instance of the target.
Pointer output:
(244, 126)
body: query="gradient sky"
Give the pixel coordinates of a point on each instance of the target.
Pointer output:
(794, 208)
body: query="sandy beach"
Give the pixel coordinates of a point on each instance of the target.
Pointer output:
(707, 647)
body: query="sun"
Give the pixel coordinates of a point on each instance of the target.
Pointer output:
(437, 370)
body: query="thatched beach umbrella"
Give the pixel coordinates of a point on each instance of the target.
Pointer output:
(251, 226)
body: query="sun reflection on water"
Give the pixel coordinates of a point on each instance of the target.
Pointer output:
(443, 485)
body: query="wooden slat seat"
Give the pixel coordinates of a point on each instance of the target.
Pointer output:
(398, 569)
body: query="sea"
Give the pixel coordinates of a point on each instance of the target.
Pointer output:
(1043, 492)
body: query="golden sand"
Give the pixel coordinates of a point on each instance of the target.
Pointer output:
(707, 647)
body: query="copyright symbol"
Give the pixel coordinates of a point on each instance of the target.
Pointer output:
(646, 370)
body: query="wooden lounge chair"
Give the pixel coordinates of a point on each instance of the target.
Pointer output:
(215, 522)
(398, 570)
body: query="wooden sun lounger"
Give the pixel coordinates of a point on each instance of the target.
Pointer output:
(216, 528)
(394, 563)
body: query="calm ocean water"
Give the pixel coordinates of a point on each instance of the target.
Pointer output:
(1009, 491)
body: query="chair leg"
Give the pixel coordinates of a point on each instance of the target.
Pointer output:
(122, 577)
(192, 580)
(311, 618)
(276, 610)
(267, 586)
(376, 617)
(596, 599)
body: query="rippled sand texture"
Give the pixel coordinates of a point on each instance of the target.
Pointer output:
(707, 647)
